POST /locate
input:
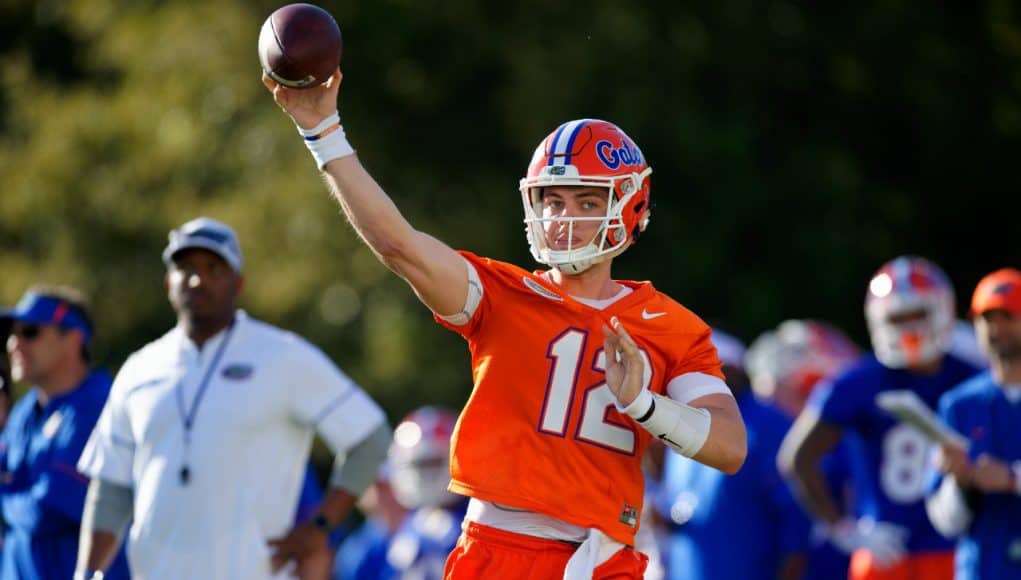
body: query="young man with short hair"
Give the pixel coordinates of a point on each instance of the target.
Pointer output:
(575, 372)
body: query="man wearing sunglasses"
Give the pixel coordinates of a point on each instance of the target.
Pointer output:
(41, 491)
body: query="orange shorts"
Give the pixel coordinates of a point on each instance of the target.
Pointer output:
(493, 554)
(924, 566)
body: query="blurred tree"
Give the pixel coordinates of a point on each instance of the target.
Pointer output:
(796, 148)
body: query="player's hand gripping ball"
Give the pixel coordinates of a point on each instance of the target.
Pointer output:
(300, 46)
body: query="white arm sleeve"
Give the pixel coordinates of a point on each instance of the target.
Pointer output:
(948, 510)
(671, 419)
(690, 386)
(356, 470)
(471, 302)
(681, 426)
(108, 507)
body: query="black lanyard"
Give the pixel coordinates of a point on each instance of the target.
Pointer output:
(188, 418)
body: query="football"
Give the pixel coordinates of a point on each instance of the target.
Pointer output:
(299, 46)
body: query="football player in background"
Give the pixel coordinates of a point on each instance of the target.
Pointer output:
(574, 372)
(785, 365)
(711, 513)
(909, 307)
(415, 546)
(420, 459)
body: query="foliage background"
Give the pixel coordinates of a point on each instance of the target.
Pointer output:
(796, 149)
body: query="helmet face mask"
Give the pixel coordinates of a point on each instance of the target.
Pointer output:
(586, 153)
(909, 308)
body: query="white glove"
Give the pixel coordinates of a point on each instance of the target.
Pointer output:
(884, 540)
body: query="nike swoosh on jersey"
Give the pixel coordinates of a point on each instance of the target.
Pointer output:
(650, 315)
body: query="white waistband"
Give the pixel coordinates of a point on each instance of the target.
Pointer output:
(519, 521)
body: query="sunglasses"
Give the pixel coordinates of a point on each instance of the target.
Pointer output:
(27, 332)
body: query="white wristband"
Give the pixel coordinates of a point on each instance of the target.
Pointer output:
(639, 406)
(327, 141)
(326, 123)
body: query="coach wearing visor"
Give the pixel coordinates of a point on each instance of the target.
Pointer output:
(41, 491)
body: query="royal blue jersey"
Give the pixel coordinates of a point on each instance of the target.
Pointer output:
(362, 554)
(311, 497)
(891, 465)
(979, 409)
(417, 549)
(309, 502)
(736, 526)
(423, 541)
(43, 494)
(826, 561)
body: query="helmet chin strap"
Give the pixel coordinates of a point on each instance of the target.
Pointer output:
(579, 266)
(572, 268)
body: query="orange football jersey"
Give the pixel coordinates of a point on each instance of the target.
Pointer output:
(540, 430)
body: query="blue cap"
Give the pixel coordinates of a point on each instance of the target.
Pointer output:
(208, 234)
(36, 308)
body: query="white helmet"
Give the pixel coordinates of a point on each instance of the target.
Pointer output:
(909, 307)
(785, 365)
(419, 458)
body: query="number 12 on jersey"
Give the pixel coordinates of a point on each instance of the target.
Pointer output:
(595, 426)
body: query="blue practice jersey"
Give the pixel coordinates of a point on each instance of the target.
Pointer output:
(362, 554)
(417, 550)
(736, 526)
(425, 538)
(309, 502)
(43, 494)
(890, 471)
(991, 547)
(826, 561)
(311, 496)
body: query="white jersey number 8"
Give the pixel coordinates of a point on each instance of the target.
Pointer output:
(905, 461)
(565, 354)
